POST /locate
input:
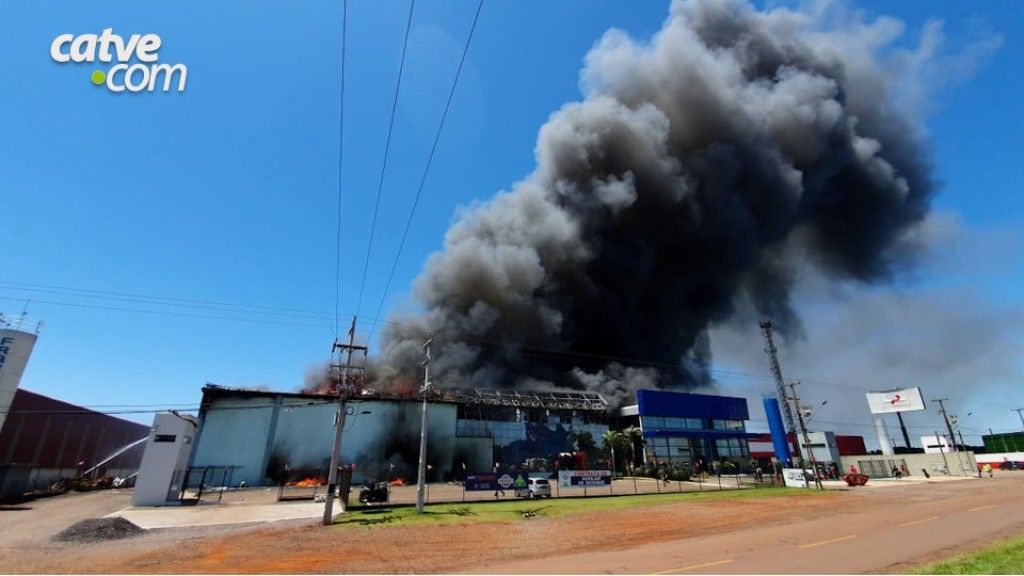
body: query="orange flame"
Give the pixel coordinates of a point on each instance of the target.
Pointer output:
(397, 482)
(307, 482)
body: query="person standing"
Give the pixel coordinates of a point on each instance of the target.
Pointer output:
(497, 487)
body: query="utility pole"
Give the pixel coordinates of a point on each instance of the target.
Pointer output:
(344, 390)
(421, 481)
(952, 437)
(807, 440)
(945, 416)
(1020, 412)
(942, 451)
(780, 385)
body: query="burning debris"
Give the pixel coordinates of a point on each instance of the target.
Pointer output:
(700, 171)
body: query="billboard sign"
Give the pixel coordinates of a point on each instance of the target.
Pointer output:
(491, 481)
(584, 478)
(903, 400)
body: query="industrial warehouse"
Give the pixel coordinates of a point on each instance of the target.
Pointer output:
(268, 437)
(669, 287)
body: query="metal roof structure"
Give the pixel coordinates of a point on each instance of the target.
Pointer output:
(555, 399)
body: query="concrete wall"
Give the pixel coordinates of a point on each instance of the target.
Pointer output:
(879, 466)
(164, 460)
(998, 458)
(823, 445)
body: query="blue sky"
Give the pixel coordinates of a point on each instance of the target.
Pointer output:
(226, 193)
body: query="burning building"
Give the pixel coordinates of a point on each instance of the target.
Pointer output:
(701, 171)
(277, 437)
(285, 438)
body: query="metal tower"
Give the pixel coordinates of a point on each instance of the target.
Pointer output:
(780, 384)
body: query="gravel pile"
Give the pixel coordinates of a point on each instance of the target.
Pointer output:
(98, 530)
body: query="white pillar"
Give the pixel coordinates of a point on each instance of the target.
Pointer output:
(883, 436)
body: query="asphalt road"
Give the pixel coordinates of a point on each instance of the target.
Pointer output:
(897, 525)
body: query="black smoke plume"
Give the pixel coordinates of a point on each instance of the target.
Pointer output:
(701, 169)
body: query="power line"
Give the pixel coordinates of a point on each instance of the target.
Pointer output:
(384, 164)
(312, 317)
(175, 314)
(158, 300)
(430, 159)
(341, 149)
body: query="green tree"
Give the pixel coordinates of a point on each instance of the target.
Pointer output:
(613, 439)
(634, 436)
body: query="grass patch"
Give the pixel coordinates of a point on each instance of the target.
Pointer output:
(1006, 557)
(514, 510)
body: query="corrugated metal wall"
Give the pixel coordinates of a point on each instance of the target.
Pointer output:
(45, 433)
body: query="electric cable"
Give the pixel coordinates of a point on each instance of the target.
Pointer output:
(426, 168)
(384, 164)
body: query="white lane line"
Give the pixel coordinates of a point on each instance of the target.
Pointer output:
(823, 542)
(693, 567)
(921, 521)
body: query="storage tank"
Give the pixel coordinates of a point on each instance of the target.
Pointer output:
(779, 439)
(15, 348)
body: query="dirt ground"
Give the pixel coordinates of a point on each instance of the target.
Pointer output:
(305, 547)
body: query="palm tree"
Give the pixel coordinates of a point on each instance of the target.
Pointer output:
(612, 438)
(633, 435)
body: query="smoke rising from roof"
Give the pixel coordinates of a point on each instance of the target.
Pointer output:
(701, 169)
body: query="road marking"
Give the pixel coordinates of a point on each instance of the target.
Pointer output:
(921, 521)
(693, 567)
(823, 542)
(979, 508)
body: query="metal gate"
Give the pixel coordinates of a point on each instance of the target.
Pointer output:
(209, 481)
(881, 468)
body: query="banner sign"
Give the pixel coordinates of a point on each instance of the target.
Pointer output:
(584, 478)
(905, 400)
(794, 478)
(491, 481)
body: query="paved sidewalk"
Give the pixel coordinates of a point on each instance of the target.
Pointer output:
(214, 514)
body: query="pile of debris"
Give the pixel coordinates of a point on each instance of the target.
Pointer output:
(77, 484)
(99, 530)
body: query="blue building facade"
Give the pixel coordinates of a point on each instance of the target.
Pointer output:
(682, 429)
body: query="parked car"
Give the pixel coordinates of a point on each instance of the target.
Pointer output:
(535, 488)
